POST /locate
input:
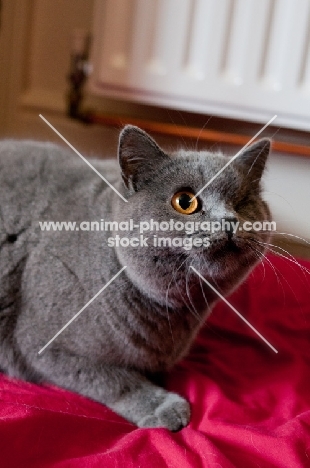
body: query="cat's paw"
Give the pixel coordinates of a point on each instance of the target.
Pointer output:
(173, 414)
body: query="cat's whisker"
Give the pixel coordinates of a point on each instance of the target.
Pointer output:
(167, 294)
(176, 126)
(210, 148)
(292, 258)
(200, 132)
(287, 234)
(174, 277)
(280, 196)
(260, 255)
(289, 286)
(200, 258)
(194, 312)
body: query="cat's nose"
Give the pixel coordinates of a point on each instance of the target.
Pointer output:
(230, 226)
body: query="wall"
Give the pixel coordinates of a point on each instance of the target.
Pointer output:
(35, 44)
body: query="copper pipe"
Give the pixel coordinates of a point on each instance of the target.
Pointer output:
(182, 131)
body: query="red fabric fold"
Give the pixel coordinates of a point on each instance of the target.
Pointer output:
(250, 406)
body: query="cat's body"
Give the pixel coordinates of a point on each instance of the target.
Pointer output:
(146, 319)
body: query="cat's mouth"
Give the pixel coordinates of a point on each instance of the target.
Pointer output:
(231, 246)
(224, 250)
(214, 246)
(224, 246)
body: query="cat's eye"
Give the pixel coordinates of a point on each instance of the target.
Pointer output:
(184, 203)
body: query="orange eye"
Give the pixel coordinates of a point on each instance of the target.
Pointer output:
(181, 202)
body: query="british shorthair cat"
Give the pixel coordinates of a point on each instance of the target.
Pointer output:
(145, 320)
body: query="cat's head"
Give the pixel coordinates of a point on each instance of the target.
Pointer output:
(162, 187)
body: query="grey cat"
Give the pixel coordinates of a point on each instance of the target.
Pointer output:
(146, 319)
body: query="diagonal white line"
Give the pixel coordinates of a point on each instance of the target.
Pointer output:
(82, 157)
(235, 310)
(233, 158)
(83, 308)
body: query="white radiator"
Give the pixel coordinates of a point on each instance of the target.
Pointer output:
(239, 58)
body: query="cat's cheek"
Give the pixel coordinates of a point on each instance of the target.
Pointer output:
(206, 242)
(187, 245)
(111, 242)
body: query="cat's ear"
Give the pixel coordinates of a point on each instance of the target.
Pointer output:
(253, 158)
(138, 155)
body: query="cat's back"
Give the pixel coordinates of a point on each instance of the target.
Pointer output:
(29, 161)
(32, 173)
(25, 159)
(43, 181)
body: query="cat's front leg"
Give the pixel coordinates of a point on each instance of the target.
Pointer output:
(125, 391)
(150, 406)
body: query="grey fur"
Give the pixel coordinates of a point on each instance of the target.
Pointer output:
(146, 320)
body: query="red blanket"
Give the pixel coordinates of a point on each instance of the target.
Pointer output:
(250, 406)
